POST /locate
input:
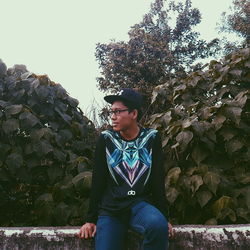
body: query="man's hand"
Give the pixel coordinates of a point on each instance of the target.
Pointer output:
(88, 230)
(170, 231)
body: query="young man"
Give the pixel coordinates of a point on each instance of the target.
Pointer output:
(128, 189)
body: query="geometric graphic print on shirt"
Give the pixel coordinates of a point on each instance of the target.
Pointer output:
(129, 159)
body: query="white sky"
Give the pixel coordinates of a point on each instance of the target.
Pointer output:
(58, 37)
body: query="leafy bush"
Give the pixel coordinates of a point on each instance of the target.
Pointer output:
(205, 124)
(46, 148)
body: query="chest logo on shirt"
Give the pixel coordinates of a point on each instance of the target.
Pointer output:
(130, 160)
(131, 192)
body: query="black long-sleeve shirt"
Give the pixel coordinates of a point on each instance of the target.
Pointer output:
(126, 172)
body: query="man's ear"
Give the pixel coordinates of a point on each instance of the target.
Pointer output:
(135, 114)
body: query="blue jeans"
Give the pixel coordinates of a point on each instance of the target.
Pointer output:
(144, 219)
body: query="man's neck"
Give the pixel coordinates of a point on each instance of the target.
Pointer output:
(130, 133)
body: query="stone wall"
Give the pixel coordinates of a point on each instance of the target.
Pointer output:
(186, 237)
(225, 237)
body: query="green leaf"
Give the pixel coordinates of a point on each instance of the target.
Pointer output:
(234, 145)
(62, 213)
(154, 96)
(59, 155)
(245, 179)
(3, 68)
(44, 206)
(82, 163)
(206, 112)
(82, 182)
(241, 98)
(165, 141)
(199, 154)
(47, 197)
(42, 147)
(186, 123)
(172, 193)
(218, 121)
(14, 161)
(247, 196)
(154, 117)
(195, 183)
(28, 120)
(227, 133)
(173, 175)
(222, 203)
(185, 183)
(195, 79)
(199, 128)
(10, 126)
(54, 172)
(64, 191)
(64, 116)
(183, 138)
(13, 110)
(158, 90)
(42, 91)
(3, 175)
(61, 92)
(228, 212)
(211, 135)
(179, 87)
(64, 136)
(33, 162)
(166, 118)
(212, 180)
(204, 196)
(247, 64)
(209, 141)
(236, 72)
(211, 222)
(234, 113)
(243, 213)
(72, 101)
(28, 149)
(3, 104)
(37, 134)
(4, 149)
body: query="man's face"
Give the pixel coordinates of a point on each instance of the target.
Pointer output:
(122, 119)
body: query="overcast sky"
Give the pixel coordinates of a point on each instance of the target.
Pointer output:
(58, 37)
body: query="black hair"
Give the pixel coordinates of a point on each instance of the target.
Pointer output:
(132, 107)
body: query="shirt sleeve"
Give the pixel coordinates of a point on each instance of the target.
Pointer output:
(99, 181)
(158, 177)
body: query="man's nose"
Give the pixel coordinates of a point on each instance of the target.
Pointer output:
(113, 116)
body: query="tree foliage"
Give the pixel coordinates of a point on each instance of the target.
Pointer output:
(238, 21)
(205, 124)
(46, 146)
(163, 45)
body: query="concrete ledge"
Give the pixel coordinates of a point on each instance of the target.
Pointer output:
(199, 237)
(186, 237)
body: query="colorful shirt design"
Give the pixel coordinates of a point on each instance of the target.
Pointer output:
(130, 160)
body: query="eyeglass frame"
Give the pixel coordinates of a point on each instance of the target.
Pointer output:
(117, 112)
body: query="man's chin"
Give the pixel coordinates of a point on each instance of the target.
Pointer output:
(116, 128)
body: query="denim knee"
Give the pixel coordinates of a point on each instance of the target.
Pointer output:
(157, 224)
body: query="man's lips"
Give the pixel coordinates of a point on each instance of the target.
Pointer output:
(115, 124)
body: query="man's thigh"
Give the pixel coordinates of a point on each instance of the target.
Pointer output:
(110, 233)
(146, 217)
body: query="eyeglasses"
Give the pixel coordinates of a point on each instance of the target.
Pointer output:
(116, 112)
